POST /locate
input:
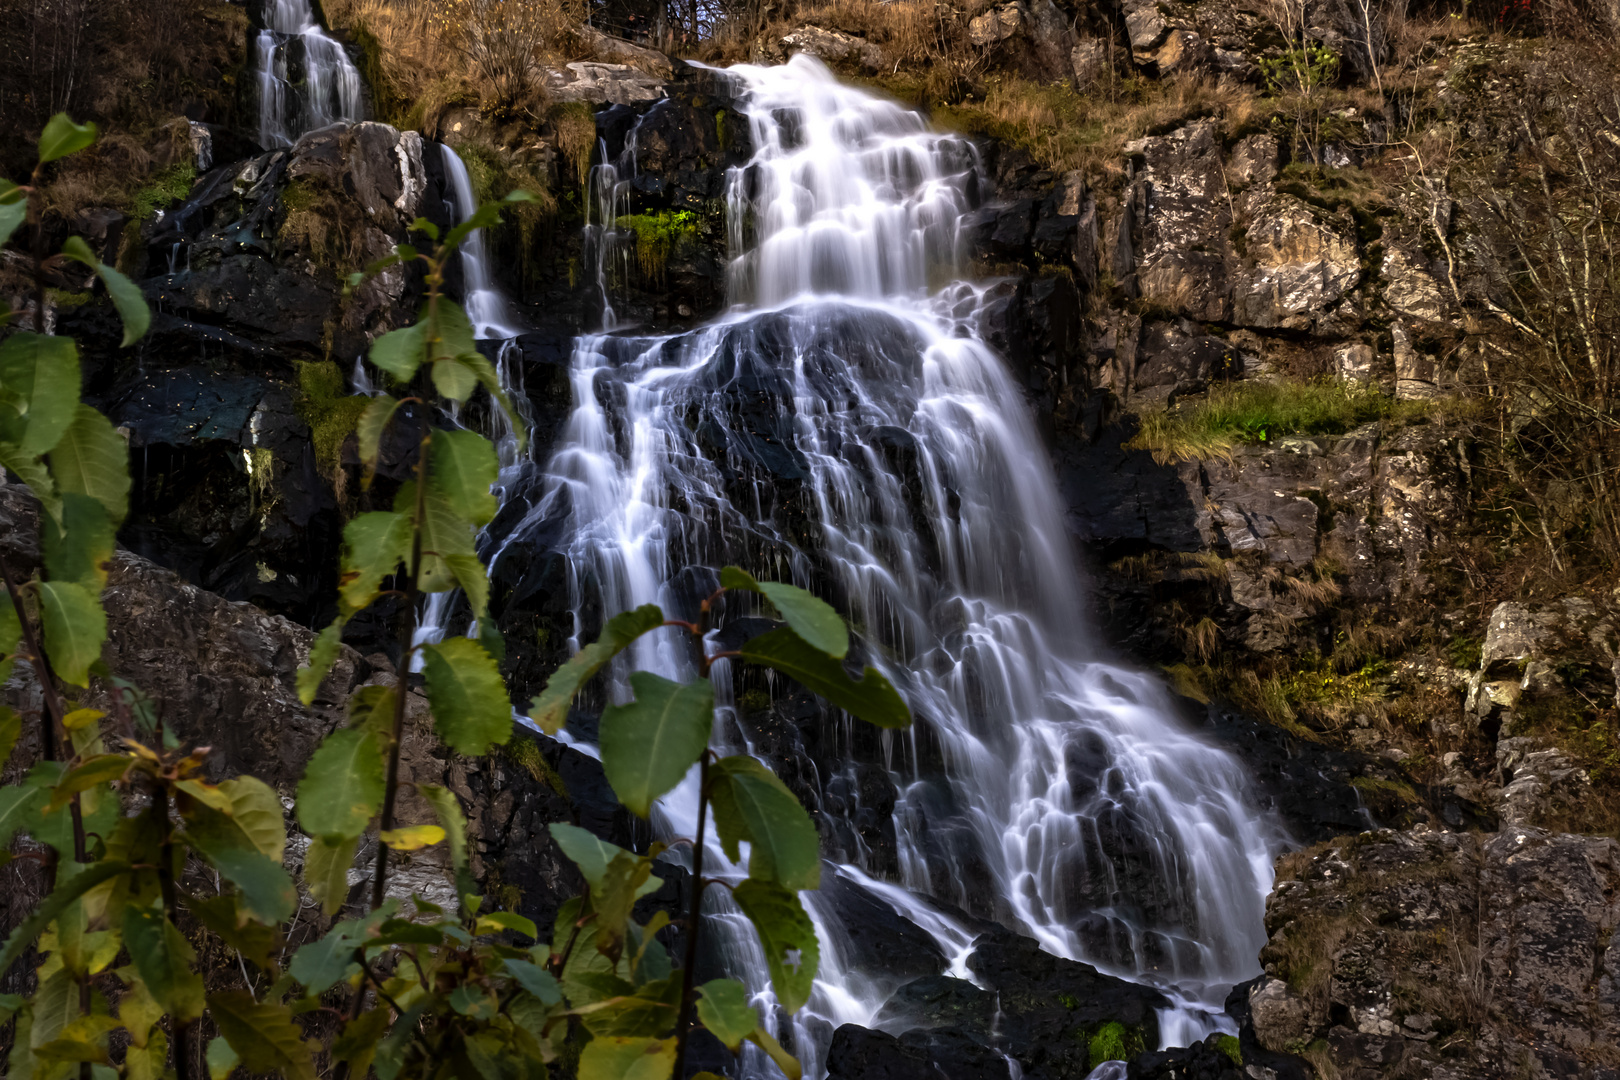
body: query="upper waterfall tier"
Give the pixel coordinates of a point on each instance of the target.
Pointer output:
(306, 80)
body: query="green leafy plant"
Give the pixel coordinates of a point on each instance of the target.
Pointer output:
(408, 988)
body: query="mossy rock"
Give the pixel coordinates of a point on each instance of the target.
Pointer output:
(1115, 1041)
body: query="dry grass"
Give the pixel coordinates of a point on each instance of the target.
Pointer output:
(1064, 129)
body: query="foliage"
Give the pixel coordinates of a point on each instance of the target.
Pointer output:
(121, 808)
(330, 412)
(1256, 412)
(658, 236)
(1229, 1045)
(168, 187)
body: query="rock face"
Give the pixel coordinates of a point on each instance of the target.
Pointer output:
(1426, 954)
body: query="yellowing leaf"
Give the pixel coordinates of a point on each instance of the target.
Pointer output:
(412, 837)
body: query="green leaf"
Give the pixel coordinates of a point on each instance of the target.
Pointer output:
(462, 467)
(400, 352)
(371, 708)
(328, 960)
(474, 1002)
(100, 769)
(453, 379)
(811, 618)
(67, 893)
(423, 225)
(618, 1058)
(535, 980)
(411, 837)
(323, 653)
(359, 1040)
(751, 804)
(92, 459)
(650, 743)
(374, 546)
(12, 214)
(10, 625)
(550, 710)
(450, 332)
(613, 897)
(163, 957)
(222, 1060)
(496, 921)
(342, 786)
(486, 216)
(632, 1015)
(256, 809)
(224, 916)
(326, 871)
(126, 296)
(40, 378)
(372, 425)
(593, 855)
(490, 380)
(32, 471)
(725, 1010)
(871, 698)
(62, 137)
(81, 547)
(18, 807)
(447, 548)
(471, 711)
(448, 810)
(75, 628)
(787, 937)
(263, 1033)
(267, 891)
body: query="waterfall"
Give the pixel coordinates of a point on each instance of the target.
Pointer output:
(485, 302)
(845, 426)
(306, 80)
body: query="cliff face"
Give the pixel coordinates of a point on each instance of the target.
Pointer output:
(1323, 601)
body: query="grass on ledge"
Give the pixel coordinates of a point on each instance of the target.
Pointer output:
(1257, 412)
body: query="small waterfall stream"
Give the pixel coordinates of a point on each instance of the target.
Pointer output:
(306, 80)
(844, 425)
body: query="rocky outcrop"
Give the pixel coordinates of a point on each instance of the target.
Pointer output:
(1427, 954)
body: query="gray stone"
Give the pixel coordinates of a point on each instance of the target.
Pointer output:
(1089, 62)
(834, 47)
(1253, 161)
(1302, 264)
(997, 25)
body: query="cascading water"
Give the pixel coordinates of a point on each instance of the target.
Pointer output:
(845, 427)
(306, 80)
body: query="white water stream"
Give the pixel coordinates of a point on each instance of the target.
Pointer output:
(306, 80)
(844, 425)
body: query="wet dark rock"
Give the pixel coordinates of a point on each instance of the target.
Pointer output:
(880, 939)
(941, 1001)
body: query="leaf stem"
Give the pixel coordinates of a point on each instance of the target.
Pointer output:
(379, 879)
(694, 919)
(165, 871)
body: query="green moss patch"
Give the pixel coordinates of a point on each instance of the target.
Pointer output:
(1115, 1041)
(168, 187)
(658, 236)
(330, 412)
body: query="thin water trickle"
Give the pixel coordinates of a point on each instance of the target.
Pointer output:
(306, 80)
(845, 426)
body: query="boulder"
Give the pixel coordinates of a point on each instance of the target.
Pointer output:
(834, 47)
(1183, 214)
(603, 84)
(997, 25)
